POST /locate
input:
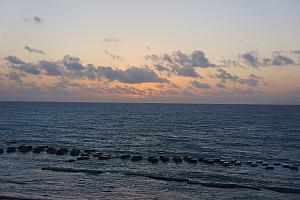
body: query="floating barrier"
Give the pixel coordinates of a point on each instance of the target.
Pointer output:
(87, 153)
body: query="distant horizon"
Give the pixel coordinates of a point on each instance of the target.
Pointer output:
(199, 51)
(174, 103)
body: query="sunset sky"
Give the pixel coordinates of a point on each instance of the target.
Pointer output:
(192, 51)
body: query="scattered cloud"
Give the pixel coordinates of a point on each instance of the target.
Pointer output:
(197, 84)
(51, 68)
(111, 40)
(181, 64)
(220, 86)
(114, 56)
(161, 68)
(15, 76)
(277, 59)
(29, 68)
(37, 19)
(32, 50)
(251, 59)
(14, 60)
(252, 80)
(131, 75)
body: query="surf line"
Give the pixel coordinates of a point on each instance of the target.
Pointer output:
(176, 179)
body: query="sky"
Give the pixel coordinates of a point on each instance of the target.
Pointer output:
(171, 51)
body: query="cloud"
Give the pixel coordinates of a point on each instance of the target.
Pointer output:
(111, 40)
(197, 84)
(196, 59)
(131, 75)
(221, 86)
(252, 80)
(181, 64)
(72, 63)
(14, 60)
(29, 68)
(296, 52)
(279, 60)
(185, 71)
(113, 56)
(161, 68)
(37, 20)
(251, 59)
(51, 68)
(32, 50)
(15, 77)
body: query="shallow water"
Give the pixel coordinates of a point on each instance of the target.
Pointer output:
(243, 132)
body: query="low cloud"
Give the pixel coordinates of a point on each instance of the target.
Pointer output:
(277, 59)
(29, 68)
(197, 84)
(181, 64)
(32, 50)
(131, 75)
(251, 59)
(71, 67)
(220, 86)
(224, 76)
(51, 68)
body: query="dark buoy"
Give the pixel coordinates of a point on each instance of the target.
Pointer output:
(51, 150)
(259, 162)
(189, 159)
(83, 157)
(164, 158)
(153, 160)
(285, 165)
(37, 150)
(249, 162)
(200, 159)
(89, 151)
(97, 154)
(277, 163)
(75, 152)
(177, 159)
(25, 149)
(136, 158)
(233, 161)
(11, 149)
(61, 151)
(253, 165)
(104, 157)
(125, 157)
(71, 160)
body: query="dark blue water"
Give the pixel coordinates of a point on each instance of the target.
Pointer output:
(243, 132)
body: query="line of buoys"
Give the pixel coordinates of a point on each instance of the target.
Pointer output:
(87, 153)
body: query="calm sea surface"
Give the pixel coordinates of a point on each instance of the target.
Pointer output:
(243, 132)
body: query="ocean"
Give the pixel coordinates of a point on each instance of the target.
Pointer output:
(256, 133)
